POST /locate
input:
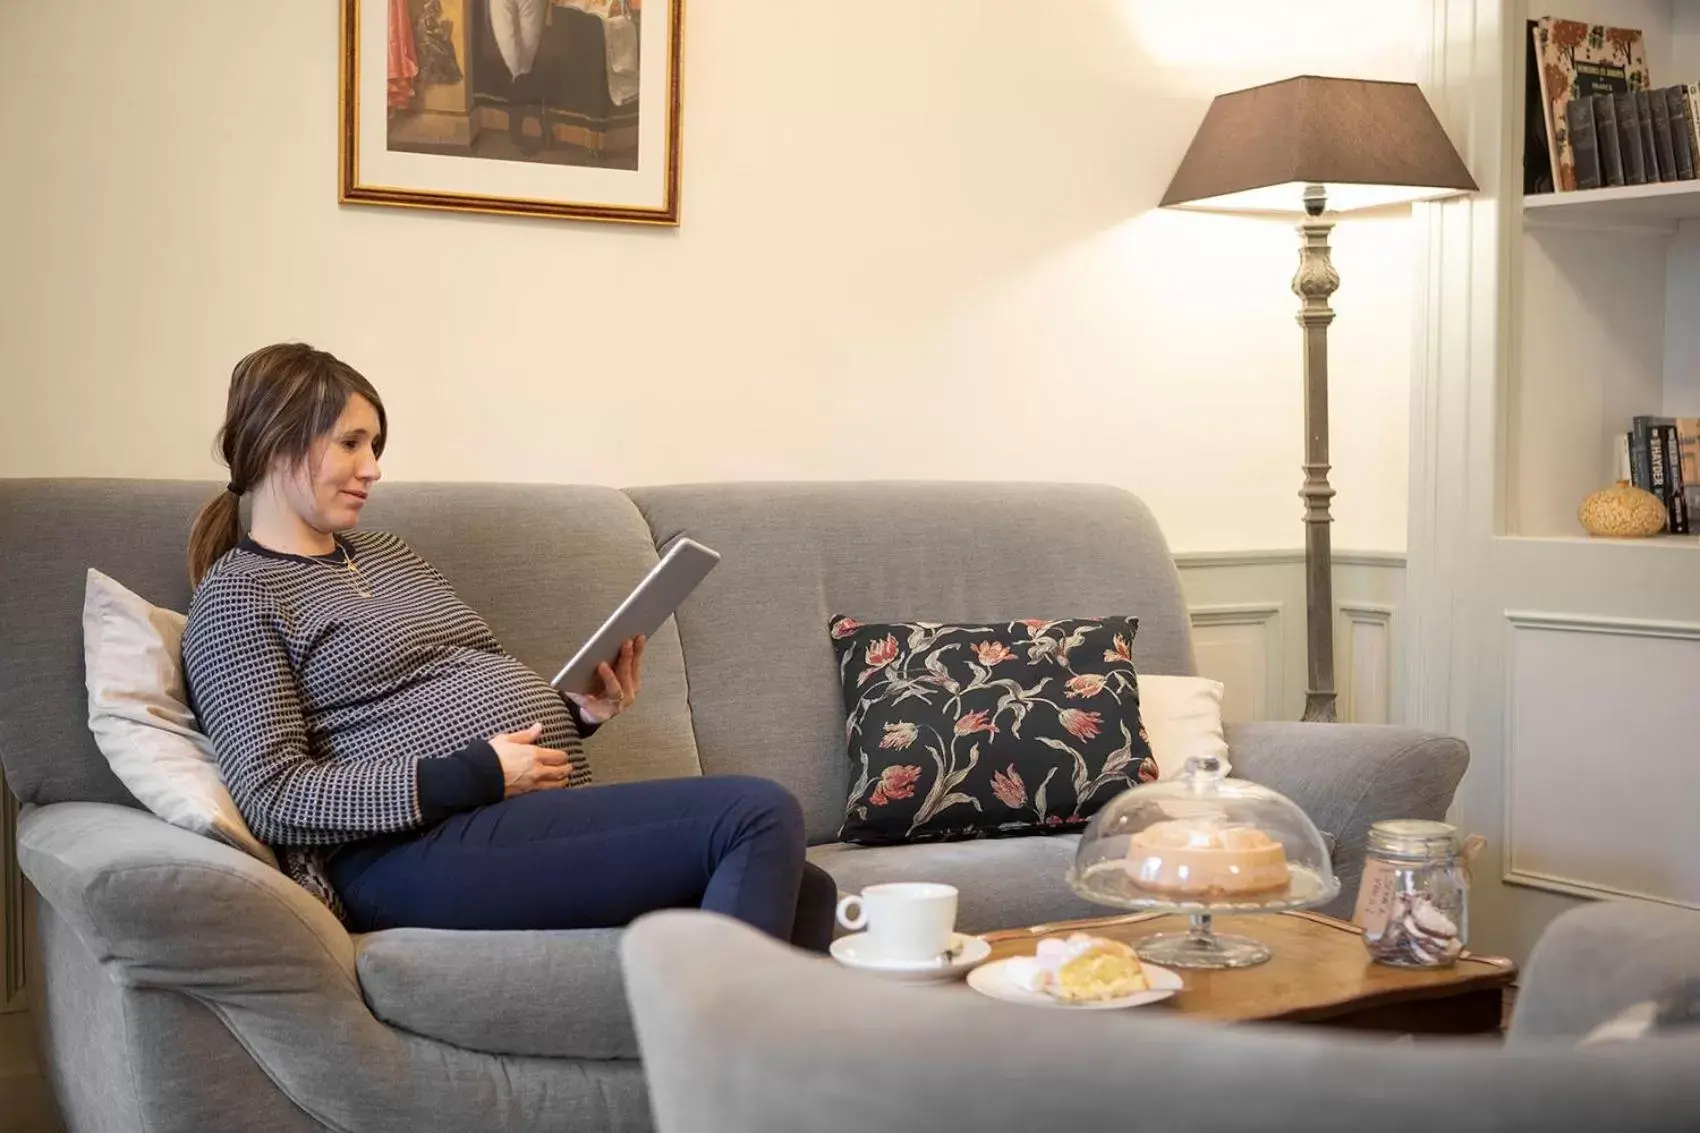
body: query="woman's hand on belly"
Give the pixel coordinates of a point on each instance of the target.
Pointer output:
(527, 767)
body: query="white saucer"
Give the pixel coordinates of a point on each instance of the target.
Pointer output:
(853, 952)
(993, 980)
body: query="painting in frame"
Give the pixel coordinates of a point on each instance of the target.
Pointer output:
(549, 108)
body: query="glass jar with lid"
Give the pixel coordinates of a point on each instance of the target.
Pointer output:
(1203, 845)
(1413, 902)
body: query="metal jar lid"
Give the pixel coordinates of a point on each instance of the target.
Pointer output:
(1413, 838)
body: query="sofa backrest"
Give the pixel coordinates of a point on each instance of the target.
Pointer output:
(764, 689)
(543, 563)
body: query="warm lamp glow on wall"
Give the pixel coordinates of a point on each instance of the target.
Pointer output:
(1301, 146)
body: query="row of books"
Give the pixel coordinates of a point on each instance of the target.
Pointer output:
(1635, 137)
(1663, 457)
(1571, 63)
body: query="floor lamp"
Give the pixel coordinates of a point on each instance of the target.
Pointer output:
(1305, 145)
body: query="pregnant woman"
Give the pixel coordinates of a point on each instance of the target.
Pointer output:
(408, 770)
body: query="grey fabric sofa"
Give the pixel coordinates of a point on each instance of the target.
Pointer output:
(185, 986)
(741, 1036)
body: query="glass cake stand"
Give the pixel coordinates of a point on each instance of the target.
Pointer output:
(1204, 846)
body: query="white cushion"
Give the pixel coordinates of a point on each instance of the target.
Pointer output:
(139, 714)
(1182, 717)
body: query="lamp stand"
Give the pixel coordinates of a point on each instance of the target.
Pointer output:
(1315, 281)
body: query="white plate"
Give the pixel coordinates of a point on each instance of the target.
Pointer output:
(852, 951)
(993, 980)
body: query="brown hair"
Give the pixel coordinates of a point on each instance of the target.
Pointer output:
(282, 399)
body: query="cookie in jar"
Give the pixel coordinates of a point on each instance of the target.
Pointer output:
(1413, 902)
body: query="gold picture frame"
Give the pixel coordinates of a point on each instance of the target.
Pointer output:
(539, 108)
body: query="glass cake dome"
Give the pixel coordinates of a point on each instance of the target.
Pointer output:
(1203, 845)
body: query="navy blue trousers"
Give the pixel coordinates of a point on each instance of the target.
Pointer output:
(598, 857)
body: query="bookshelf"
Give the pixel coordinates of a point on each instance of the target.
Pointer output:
(1543, 324)
(1663, 206)
(1603, 287)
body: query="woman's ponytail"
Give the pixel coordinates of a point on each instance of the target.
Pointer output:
(218, 528)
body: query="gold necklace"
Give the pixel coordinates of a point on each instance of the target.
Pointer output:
(351, 571)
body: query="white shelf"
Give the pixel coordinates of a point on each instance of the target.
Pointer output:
(1674, 543)
(1658, 206)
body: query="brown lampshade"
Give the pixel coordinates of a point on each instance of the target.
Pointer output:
(1370, 143)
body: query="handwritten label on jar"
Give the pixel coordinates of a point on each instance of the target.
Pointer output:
(1375, 897)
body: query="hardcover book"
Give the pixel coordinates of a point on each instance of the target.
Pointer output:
(1688, 462)
(1691, 92)
(1681, 131)
(1629, 139)
(1655, 451)
(1584, 147)
(1670, 169)
(1649, 138)
(1607, 138)
(1676, 500)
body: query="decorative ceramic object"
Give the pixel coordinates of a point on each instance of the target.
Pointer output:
(1622, 512)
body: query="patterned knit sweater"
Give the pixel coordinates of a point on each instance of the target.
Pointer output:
(337, 717)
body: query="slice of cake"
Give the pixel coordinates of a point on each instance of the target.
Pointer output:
(1080, 969)
(1189, 858)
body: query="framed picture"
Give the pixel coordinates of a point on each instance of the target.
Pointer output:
(553, 108)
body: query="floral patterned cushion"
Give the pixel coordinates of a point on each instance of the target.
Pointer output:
(966, 731)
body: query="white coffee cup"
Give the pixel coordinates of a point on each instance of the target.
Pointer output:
(905, 920)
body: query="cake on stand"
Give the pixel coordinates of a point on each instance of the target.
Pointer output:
(1205, 846)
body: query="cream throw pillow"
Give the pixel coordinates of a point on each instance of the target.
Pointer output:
(139, 714)
(1182, 717)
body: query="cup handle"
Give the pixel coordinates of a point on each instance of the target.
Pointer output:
(860, 920)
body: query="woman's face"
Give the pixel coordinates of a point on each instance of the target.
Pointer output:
(331, 486)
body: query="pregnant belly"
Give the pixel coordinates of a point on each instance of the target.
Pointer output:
(443, 710)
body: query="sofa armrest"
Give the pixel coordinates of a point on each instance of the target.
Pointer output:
(166, 908)
(743, 1035)
(1347, 777)
(162, 908)
(1594, 961)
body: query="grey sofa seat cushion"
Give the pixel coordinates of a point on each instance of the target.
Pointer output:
(763, 681)
(545, 994)
(1003, 882)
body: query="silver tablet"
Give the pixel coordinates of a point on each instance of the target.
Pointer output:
(684, 564)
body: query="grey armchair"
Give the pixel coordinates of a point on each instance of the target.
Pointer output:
(743, 1036)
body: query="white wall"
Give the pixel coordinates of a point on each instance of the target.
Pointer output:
(918, 240)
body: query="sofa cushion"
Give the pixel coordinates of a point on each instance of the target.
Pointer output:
(545, 564)
(763, 681)
(543, 994)
(1002, 882)
(140, 716)
(962, 731)
(1182, 717)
